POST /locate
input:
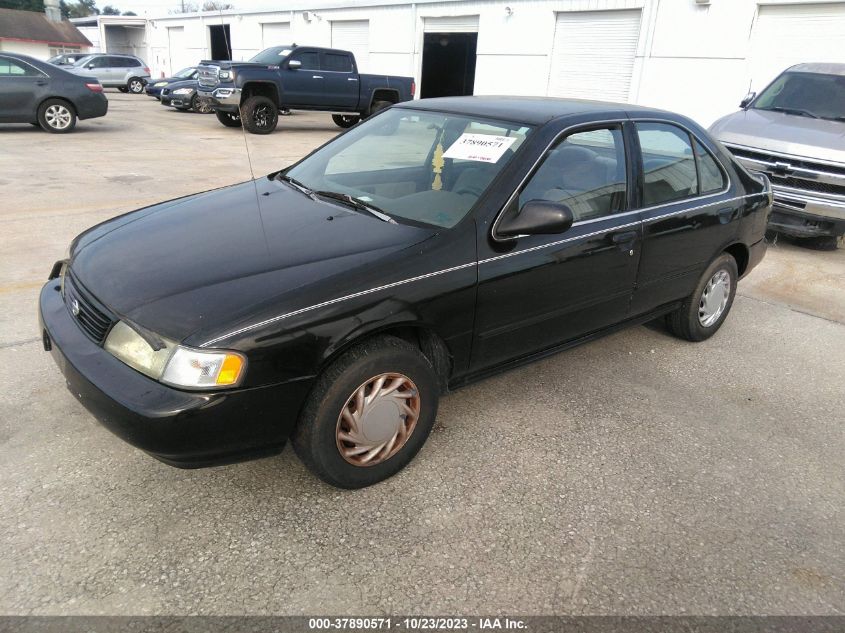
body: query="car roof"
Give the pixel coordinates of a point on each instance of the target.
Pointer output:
(530, 110)
(822, 68)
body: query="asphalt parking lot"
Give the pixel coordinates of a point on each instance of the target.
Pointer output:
(635, 475)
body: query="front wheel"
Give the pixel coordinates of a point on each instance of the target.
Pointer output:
(56, 116)
(123, 89)
(200, 105)
(345, 120)
(377, 107)
(229, 119)
(368, 415)
(703, 312)
(135, 85)
(260, 115)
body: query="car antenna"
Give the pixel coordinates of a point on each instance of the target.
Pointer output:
(246, 144)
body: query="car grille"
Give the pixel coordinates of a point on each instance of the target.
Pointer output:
(794, 175)
(208, 76)
(91, 317)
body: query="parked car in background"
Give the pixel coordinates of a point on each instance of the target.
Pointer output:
(33, 91)
(154, 86)
(794, 132)
(66, 59)
(297, 78)
(182, 95)
(437, 243)
(124, 72)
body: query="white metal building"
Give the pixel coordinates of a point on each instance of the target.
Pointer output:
(698, 57)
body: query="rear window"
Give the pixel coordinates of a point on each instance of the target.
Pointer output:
(337, 63)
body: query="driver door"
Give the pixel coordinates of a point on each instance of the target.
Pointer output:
(537, 292)
(304, 85)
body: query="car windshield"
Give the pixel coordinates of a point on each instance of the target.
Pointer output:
(424, 167)
(185, 72)
(811, 95)
(272, 56)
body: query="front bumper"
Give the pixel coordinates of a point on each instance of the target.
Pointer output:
(177, 101)
(800, 215)
(223, 99)
(180, 428)
(153, 91)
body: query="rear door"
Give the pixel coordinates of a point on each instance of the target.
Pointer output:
(120, 69)
(540, 291)
(690, 212)
(304, 85)
(21, 89)
(340, 79)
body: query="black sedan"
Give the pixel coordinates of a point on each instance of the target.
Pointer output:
(182, 95)
(153, 87)
(32, 91)
(439, 242)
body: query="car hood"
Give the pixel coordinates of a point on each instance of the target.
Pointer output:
(778, 132)
(210, 259)
(181, 83)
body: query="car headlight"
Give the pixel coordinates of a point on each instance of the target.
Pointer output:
(159, 84)
(174, 364)
(225, 75)
(183, 91)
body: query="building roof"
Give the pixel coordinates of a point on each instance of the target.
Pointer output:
(31, 26)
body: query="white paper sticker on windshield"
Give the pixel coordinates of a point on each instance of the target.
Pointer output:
(485, 148)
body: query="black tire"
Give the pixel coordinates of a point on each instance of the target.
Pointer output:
(56, 116)
(260, 115)
(821, 243)
(202, 106)
(135, 85)
(345, 120)
(229, 119)
(315, 438)
(123, 88)
(377, 107)
(685, 322)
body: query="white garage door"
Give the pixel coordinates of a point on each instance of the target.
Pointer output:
(178, 56)
(451, 24)
(593, 54)
(275, 34)
(790, 34)
(353, 35)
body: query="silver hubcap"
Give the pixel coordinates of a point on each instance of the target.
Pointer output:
(136, 86)
(714, 298)
(377, 419)
(57, 117)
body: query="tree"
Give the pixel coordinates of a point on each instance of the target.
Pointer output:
(216, 5)
(185, 7)
(129, 13)
(23, 5)
(79, 9)
(109, 10)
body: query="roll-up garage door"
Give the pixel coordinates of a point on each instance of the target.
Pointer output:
(451, 24)
(178, 55)
(275, 34)
(353, 35)
(593, 54)
(789, 34)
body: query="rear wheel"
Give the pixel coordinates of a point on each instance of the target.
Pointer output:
(703, 312)
(260, 115)
(56, 116)
(821, 243)
(378, 106)
(345, 120)
(123, 88)
(135, 85)
(229, 119)
(369, 414)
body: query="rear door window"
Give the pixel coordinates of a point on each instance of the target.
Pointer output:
(710, 175)
(11, 68)
(669, 167)
(337, 62)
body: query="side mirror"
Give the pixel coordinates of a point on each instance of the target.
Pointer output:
(537, 217)
(294, 64)
(747, 100)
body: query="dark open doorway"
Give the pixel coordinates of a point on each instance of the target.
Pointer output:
(221, 41)
(448, 64)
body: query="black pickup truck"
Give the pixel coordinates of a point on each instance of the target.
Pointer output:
(296, 77)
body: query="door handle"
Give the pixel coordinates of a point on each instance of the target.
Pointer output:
(351, 79)
(41, 82)
(623, 238)
(316, 76)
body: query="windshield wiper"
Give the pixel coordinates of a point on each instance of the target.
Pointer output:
(358, 204)
(797, 111)
(293, 182)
